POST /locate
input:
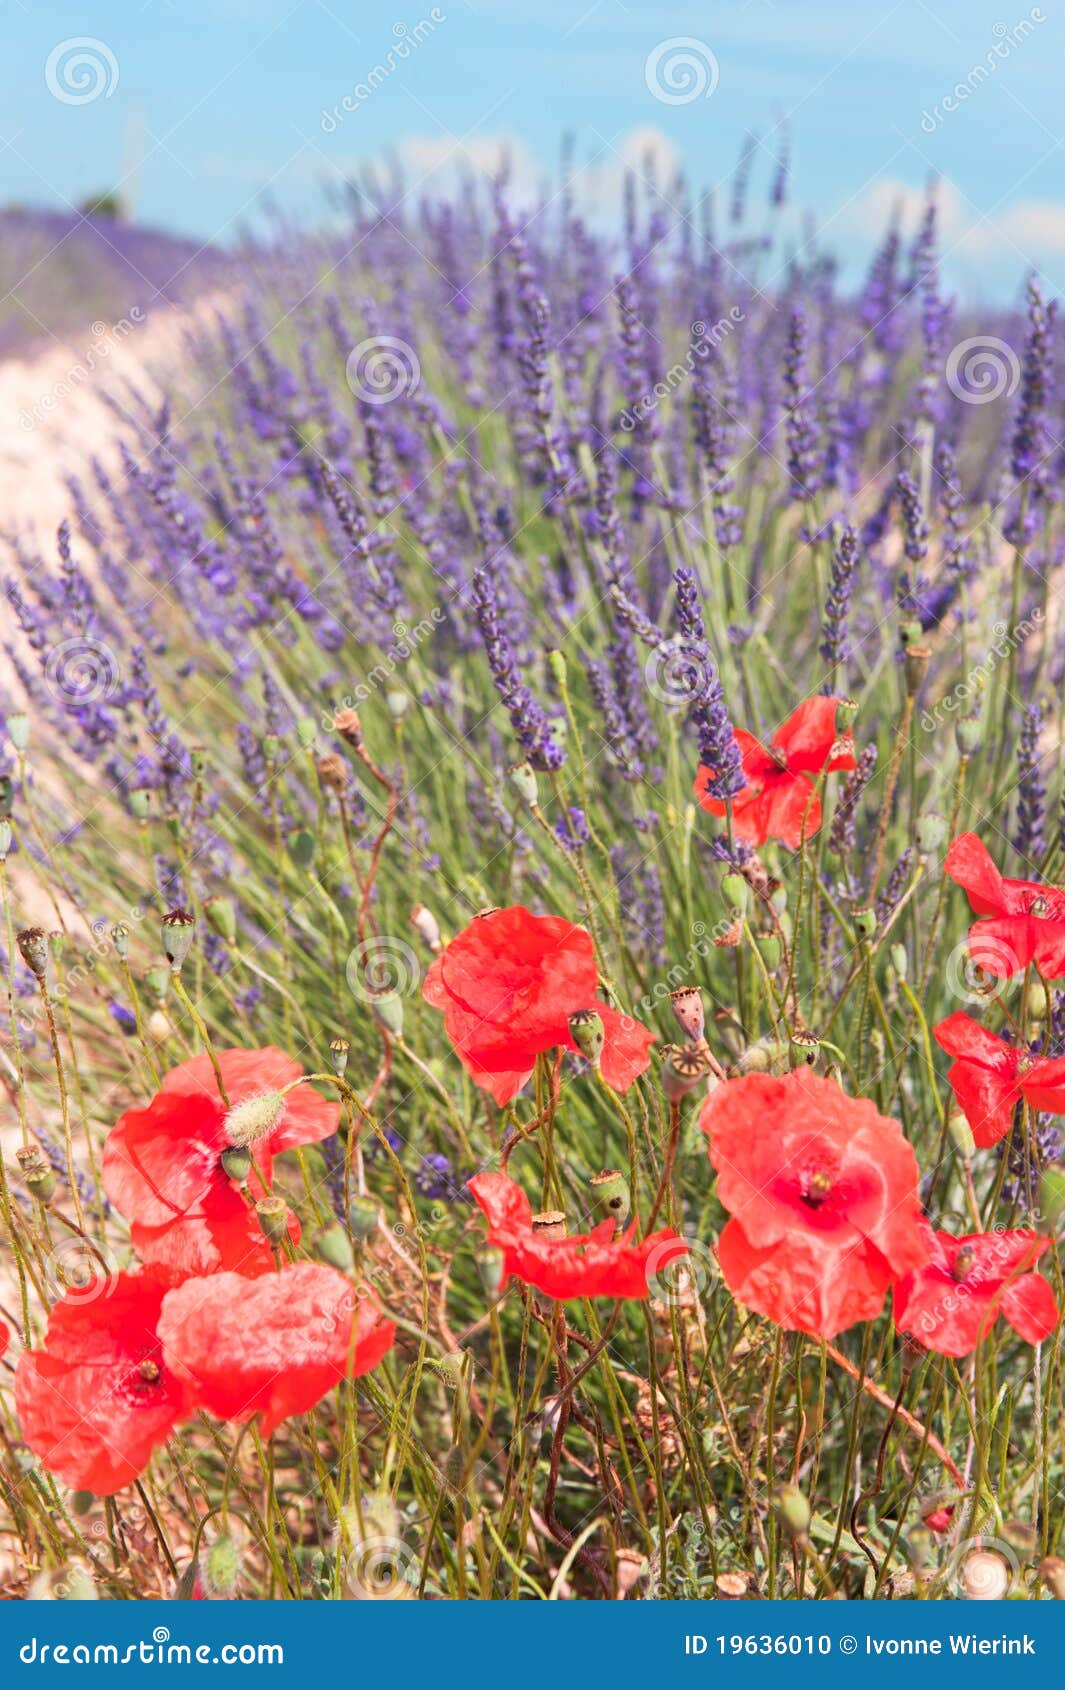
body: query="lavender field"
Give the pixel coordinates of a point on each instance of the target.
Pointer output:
(532, 815)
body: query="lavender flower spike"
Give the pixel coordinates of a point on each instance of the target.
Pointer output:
(718, 750)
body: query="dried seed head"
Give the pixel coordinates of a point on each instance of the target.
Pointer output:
(803, 1050)
(550, 1224)
(272, 1215)
(333, 771)
(36, 1172)
(338, 1055)
(33, 948)
(347, 724)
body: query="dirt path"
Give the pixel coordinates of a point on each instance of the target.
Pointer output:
(53, 415)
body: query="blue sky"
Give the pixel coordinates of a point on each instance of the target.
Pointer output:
(229, 95)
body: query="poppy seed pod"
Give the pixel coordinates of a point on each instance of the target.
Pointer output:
(6, 840)
(157, 981)
(178, 929)
(1052, 1196)
(39, 1178)
(968, 735)
(549, 1224)
(736, 893)
(612, 1189)
(683, 1067)
(306, 732)
(899, 960)
(961, 1134)
(387, 1008)
(929, 833)
(120, 940)
(18, 730)
(522, 778)
(333, 1245)
(346, 723)
(271, 745)
(140, 804)
(865, 923)
(338, 1055)
(397, 703)
(687, 1006)
(588, 1034)
(803, 1050)
(236, 1161)
(792, 1509)
(769, 949)
(426, 926)
(332, 772)
(915, 666)
(363, 1218)
(846, 714)
(491, 1265)
(221, 916)
(272, 1215)
(909, 634)
(33, 948)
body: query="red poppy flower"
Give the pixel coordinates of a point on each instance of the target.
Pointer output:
(939, 1517)
(779, 800)
(952, 1302)
(5, 1338)
(1027, 919)
(100, 1396)
(162, 1165)
(823, 1194)
(508, 984)
(592, 1264)
(272, 1346)
(990, 1077)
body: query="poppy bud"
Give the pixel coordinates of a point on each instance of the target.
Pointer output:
(736, 893)
(687, 1006)
(140, 804)
(899, 960)
(426, 926)
(222, 917)
(1038, 1000)
(556, 662)
(792, 1509)
(33, 948)
(865, 922)
(120, 940)
(491, 1265)
(683, 1066)
(6, 840)
(522, 777)
(1052, 1573)
(300, 846)
(915, 666)
(18, 730)
(221, 1566)
(961, 1134)
(236, 1163)
(387, 1009)
(189, 1585)
(157, 981)
(178, 929)
(769, 949)
(363, 1217)
(397, 703)
(272, 1215)
(759, 1057)
(253, 1117)
(1052, 1196)
(846, 714)
(803, 1050)
(968, 735)
(909, 634)
(39, 1177)
(586, 1031)
(306, 732)
(334, 1246)
(346, 723)
(929, 833)
(271, 745)
(338, 1056)
(612, 1189)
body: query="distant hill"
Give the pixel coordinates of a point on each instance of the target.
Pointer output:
(60, 272)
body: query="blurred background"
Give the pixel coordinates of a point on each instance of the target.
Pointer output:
(200, 117)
